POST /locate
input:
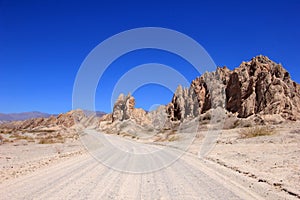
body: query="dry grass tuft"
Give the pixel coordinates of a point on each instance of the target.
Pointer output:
(255, 132)
(172, 136)
(46, 141)
(5, 131)
(18, 136)
(51, 139)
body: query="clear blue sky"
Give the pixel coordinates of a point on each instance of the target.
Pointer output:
(43, 43)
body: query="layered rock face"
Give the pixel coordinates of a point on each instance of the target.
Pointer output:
(259, 86)
(65, 120)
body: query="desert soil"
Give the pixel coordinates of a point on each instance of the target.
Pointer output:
(235, 169)
(271, 159)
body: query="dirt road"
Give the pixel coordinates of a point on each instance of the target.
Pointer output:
(84, 177)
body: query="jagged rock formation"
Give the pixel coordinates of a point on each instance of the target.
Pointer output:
(262, 86)
(130, 121)
(124, 109)
(259, 91)
(205, 92)
(259, 86)
(55, 129)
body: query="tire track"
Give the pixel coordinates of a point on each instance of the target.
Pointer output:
(56, 178)
(68, 182)
(83, 177)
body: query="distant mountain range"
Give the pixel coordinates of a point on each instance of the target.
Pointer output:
(98, 113)
(29, 115)
(22, 116)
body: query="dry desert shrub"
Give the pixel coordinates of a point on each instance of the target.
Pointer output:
(46, 141)
(172, 136)
(51, 139)
(256, 131)
(5, 131)
(24, 137)
(38, 131)
(18, 136)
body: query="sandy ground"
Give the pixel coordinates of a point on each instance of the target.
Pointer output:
(264, 167)
(271, 159)
(83, 177)
(18, 159)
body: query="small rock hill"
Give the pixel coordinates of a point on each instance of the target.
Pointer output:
(73, 119)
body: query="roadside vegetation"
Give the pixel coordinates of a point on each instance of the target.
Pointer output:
(257, 131)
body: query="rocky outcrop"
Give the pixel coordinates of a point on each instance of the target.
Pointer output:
(205, 92)
(253, 92)
(260, 89)
(264, 87)
(124, 109)
(62, 121)
(259, 86)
